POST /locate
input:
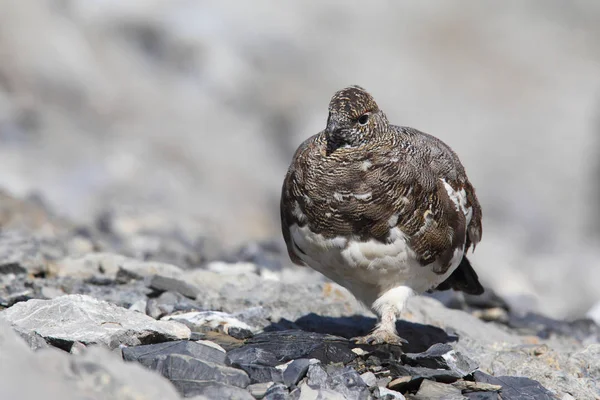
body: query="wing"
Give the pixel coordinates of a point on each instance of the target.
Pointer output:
(291, 189)
(444, 163)
(463, 278)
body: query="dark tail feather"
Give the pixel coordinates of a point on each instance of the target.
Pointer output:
(463, 278)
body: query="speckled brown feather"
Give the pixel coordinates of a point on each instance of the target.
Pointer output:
(392, 174)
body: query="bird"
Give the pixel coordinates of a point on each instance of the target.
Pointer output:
(385, 211)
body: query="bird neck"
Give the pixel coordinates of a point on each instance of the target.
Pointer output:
(337, 140)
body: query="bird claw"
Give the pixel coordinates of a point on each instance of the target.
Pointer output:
(381, 337)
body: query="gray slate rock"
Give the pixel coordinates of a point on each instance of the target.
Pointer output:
(22, 252)
(418, 374)
(516, 388)
(148, 354)
(262, 373)
(187, 364)
(441, 356)
(277, 391)
(186, 372)
(165, 284)
(258, 390)
(205, 321)
(295, 371)
(53, 374)
(369, 378)
(136, 269)
(343, 380)
(274, 348)
(240, 333)
(308, 393)
(482, 396)
(212, 390)
(168, 303)
(81, 318)
(430, 390)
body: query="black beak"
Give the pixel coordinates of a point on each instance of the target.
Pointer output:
(332, 125)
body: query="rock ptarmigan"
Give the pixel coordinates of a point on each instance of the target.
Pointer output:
(385, 211)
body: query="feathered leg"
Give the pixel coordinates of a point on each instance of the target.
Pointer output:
(388, 307)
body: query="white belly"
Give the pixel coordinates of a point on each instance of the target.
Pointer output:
(368, 269)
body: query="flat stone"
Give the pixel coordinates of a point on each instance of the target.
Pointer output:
(258, 390)
(148, 354)
(141, 269)
(410, 377)
(211, 390)
(387, 394)
(441, 356)
(165, 284)
(121, 295)
(84, 319)
(470, 386)
(308, 393)
(369, 378)
(240, 333)
(514, 388)
(262, 373)
(482, 396)
(53, 374)
(187, 364)
(317, 376)
(343, 380)
(168, 303)
(204, 321)
(274, 348)
(190, 371)
(212, 344)
(225, 341)
(295, 371)
(278, 391)
(89, 265)
(441, 375)
(435, 390)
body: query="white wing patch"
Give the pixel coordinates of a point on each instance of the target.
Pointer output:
(459, 198)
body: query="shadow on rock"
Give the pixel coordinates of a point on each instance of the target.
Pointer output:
(420, 337)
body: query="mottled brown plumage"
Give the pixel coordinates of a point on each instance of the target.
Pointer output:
(363, 180)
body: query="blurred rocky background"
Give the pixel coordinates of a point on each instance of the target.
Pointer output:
(183, 115)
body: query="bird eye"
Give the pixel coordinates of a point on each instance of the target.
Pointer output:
(363, 119)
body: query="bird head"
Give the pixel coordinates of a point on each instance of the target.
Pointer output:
(354, 118)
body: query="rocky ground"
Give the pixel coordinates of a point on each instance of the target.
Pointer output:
(168, 105)
(127, 309)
